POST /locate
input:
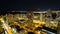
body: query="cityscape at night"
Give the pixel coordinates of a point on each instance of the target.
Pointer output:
(29, 17)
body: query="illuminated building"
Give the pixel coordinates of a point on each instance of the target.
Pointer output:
(34, 21)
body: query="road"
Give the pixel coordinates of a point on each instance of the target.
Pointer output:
(7, 27)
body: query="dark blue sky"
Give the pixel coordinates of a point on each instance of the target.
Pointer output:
(32, 4)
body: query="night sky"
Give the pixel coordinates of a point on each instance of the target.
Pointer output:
(29, 4)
